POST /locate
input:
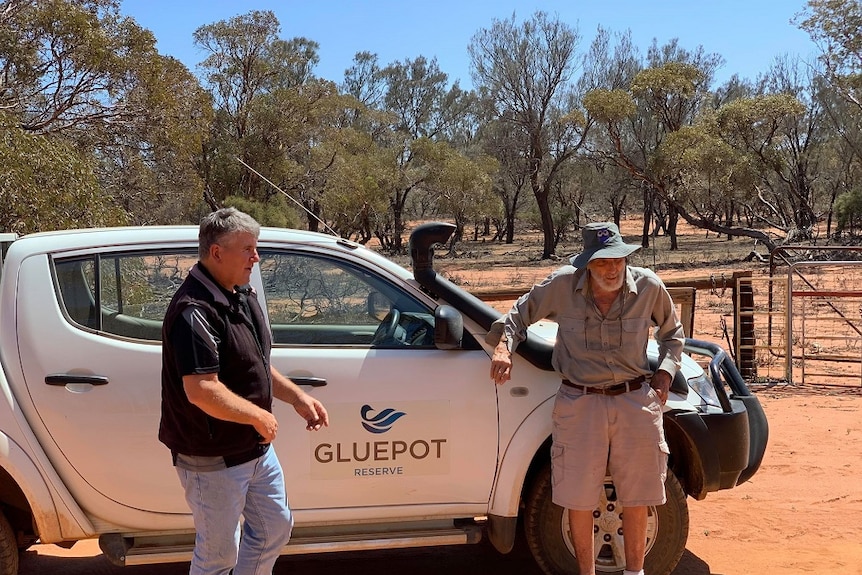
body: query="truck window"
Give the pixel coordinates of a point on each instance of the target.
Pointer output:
(121, 294)
(315, 300)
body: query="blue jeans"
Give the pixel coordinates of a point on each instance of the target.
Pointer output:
(253, 490)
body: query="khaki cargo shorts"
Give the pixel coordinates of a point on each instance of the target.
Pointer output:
(597, 434)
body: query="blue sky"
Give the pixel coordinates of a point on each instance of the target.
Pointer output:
(749, 34)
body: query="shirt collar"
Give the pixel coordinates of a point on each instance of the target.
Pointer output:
(219, 294)
(630, 281)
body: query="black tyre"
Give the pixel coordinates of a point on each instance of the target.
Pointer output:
(8, 548)
(546, 529)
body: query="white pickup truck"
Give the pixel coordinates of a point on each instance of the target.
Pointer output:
(423, 449)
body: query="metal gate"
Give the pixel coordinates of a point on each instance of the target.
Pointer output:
(811, 307)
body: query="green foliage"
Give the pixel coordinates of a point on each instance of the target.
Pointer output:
(277, 212)
(462, 186)
(609, 105)
(526, 71)
(671, 79)
(78, 71)
(848, 210)
(356, 198)
(66, 64)
(835, 25)
(46, 184)
(712, 173)
(758, 118)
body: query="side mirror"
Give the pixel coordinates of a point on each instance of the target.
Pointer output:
(448, 327)
(378, 305)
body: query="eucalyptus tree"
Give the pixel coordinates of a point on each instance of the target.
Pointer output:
(363, 80)
(503, 141)
(784, 132)
(369, 173)
(841, 170)
(702, 161)
(665, 97)
(154, 166)
(245, 58)
(615, 61)
(65, 64)
(358, 186)
(298, 134)
(836, 27)
(247, 63)
(461, 186)
(672, 91)
(421, 106)
(46, 183)
(527, 69)
(80, 73)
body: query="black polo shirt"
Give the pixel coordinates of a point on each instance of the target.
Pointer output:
(210, 330)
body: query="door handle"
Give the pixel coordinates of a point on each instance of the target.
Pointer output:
(312, 381)
(67, 378)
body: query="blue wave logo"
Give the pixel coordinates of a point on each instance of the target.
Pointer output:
(380, 423)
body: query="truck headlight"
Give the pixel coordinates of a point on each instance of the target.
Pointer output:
(702, 385)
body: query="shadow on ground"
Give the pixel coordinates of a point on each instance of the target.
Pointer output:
(470, 559)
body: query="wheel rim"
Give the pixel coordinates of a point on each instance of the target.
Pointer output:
(608, 531)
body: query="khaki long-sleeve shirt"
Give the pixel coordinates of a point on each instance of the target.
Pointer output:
(597, 350)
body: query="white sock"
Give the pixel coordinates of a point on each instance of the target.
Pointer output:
(627, 572)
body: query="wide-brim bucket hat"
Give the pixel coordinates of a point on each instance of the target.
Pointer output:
(602, 240)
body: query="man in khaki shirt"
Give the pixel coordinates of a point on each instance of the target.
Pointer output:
(607, 413)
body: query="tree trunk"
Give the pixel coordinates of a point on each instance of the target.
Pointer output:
(647, 216)
(672, 221)
(397, 204)
(547, 224)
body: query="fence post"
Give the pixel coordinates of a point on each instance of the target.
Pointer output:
(743, 303)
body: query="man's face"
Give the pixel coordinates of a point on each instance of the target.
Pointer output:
(608, 274)
(234, 257)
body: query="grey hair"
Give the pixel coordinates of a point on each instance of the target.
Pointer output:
(218, 224)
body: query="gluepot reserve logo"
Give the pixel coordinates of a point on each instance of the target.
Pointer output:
(382, 421)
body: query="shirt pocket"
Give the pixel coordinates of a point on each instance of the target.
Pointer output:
(635, 332)
(571, 332)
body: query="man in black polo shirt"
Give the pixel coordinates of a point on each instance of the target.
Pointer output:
(217, 390)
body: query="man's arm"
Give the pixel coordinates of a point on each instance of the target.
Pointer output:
(537, 304)
(671, 341)
(308, 407)
(206, 392)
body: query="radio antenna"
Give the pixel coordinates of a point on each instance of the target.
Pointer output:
(288, 196)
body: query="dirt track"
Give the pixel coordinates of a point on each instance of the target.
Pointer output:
(799, 515)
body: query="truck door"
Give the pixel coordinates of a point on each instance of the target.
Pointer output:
(410, 424)
(89, 331)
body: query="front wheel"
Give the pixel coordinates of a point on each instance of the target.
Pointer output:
(546, 527)
(8, 548)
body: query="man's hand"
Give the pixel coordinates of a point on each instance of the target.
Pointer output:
(310, 409)
(266, 426)
(660, 382)
(501, 364)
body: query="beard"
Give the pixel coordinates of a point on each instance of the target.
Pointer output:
(609, 285)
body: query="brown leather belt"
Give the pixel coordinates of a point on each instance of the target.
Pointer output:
(616, 389)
